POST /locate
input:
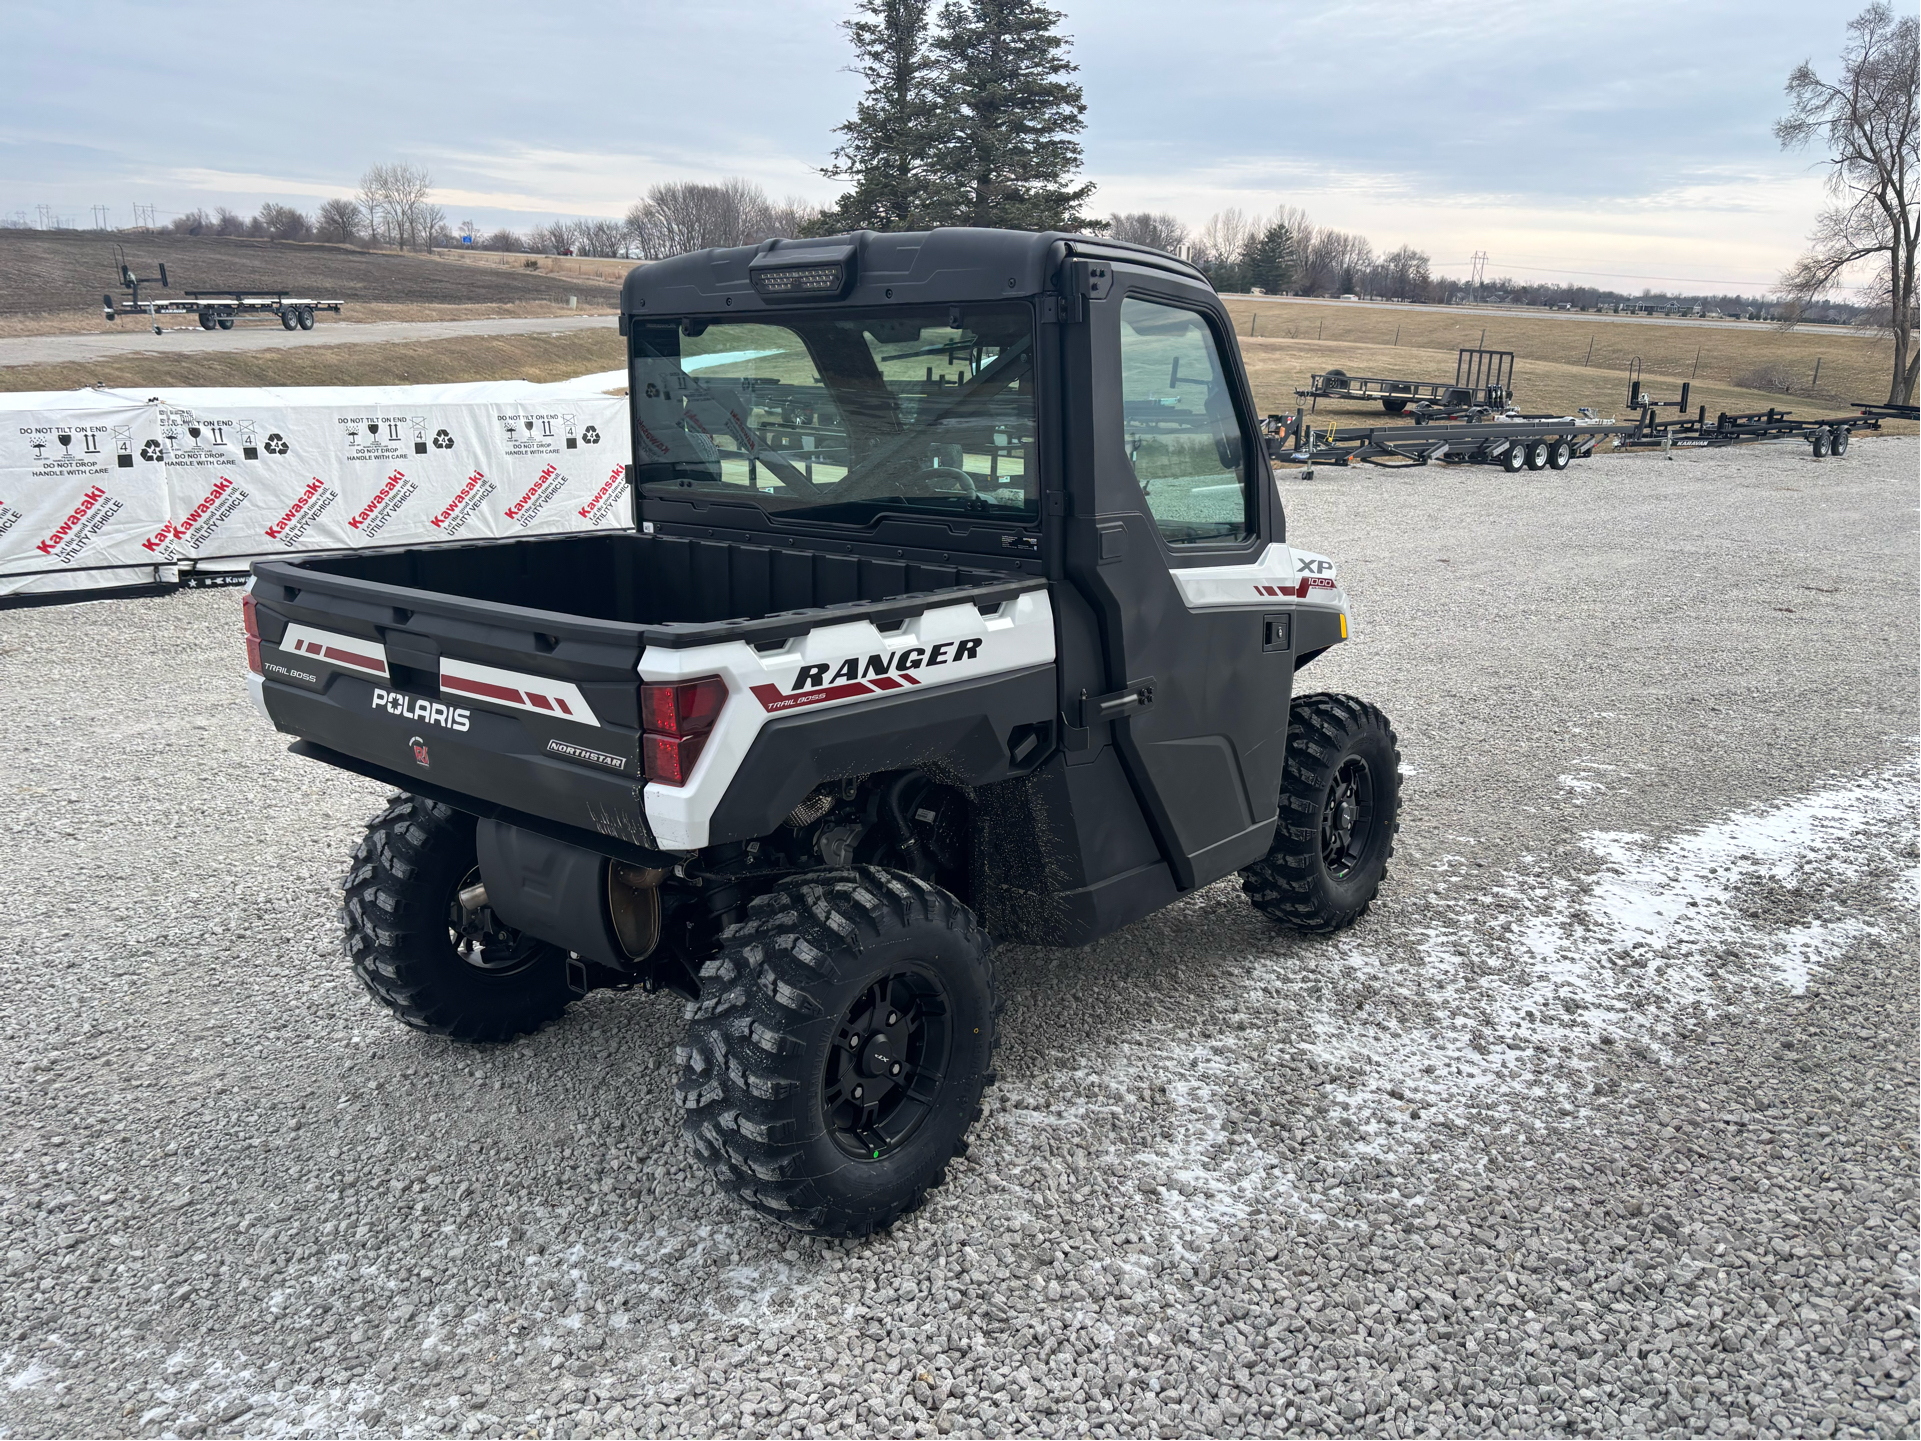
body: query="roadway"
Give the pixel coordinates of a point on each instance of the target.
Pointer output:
(138, 337)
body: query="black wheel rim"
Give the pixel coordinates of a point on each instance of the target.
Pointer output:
(888, 1060)
(484, 941)
(1347, 820)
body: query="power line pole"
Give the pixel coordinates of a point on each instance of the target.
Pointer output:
(100, 218)
(1479, 259)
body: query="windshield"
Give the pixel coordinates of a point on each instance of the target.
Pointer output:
(843, 417)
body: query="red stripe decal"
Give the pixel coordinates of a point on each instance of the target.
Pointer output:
(563, 706)
(540, 700)
(910, 678)
(481, 688)
(365, 662)
(771, 698)
(886, 682)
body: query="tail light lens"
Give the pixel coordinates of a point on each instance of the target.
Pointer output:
(252, 623)
(676, 720)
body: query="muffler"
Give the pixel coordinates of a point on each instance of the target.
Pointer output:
(633, 904)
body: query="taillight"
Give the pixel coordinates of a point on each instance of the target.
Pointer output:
(677, 719)
(252, 623)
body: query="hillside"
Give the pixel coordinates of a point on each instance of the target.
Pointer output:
(55, 271)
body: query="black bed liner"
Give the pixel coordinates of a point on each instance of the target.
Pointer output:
(667, 591)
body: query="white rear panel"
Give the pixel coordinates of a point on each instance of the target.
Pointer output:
(832, 667)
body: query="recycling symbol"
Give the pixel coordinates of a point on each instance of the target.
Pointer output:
(443, 440)
(151, 451)
(276, 444)
(590, 436)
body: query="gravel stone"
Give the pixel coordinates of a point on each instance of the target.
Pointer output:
(1602, 1121)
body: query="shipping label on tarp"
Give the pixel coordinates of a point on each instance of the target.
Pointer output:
(82, 491)
(273, 478)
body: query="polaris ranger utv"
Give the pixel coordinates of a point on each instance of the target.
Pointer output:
(958, 608)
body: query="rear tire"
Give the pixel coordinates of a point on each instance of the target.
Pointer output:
(1514, 458)
(306, 317)
(1820, 444)
(1395, 406)
(225, 322)
(461, 974)
(1838, 445)
(1537, 455)
(776, 1059)
(289, 319)
(1559, 454)
(206, 320)
(1340, 808)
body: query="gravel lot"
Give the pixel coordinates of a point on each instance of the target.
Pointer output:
(1604, 1120)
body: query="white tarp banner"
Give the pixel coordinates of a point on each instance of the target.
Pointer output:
(102, 488)
(252, 475)
(83, 494)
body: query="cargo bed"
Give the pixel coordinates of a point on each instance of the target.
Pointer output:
(507, 673)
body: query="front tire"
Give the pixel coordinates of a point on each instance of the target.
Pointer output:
(1340, 807)
(437, 966)
(840, 1048)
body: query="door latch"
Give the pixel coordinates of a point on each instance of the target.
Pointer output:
(1132, 699)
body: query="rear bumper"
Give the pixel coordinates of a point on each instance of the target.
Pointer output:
(479, 760)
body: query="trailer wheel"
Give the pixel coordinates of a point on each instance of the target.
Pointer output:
(1838, 446)
(1559, 454)
(206, 320)
(306, 317)
(1537, 455)
(1334, 382)
(1514, 458)
(1394, 406)
(224, 320)
(1340, 807)
(289, 319)
(1819, 441)
(438, 966)
(839, 1049)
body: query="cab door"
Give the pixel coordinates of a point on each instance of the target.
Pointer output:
(1169, 503)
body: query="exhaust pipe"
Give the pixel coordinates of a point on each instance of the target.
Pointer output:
(633, 905)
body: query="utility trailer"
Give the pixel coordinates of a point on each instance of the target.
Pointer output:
(1827, 435)
(214, 309)
(1483, 379)
(1515, 444)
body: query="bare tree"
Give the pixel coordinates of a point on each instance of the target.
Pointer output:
(372, 197)
(228, 222)
(194, 222)
(503, 239)
(283, 222)
(1871, 121)
(1161, 232)
(679, 216)
(338, 222)
(1404, 275)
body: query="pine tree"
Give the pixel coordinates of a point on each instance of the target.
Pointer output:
(1268, 262)
(885, 150)
(1009, 154)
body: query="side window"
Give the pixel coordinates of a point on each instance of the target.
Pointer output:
(1181, 433)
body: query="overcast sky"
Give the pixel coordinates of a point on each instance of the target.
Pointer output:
(1626, 144)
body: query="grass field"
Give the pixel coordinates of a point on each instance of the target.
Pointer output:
(480, 357)
(1548, 378)
(1736, 356)
(63, 273)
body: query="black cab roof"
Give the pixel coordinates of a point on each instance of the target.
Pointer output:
(910, 267)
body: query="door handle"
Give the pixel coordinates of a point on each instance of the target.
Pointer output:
(1132, 699)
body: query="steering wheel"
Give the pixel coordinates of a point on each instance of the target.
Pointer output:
(921, 482)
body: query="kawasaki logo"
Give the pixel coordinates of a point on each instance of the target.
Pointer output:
(898, 662)
(415, 707)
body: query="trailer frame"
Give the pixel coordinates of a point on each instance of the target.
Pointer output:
(1483, 379)
(214, 309)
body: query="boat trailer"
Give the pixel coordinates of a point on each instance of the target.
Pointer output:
(214, 309)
